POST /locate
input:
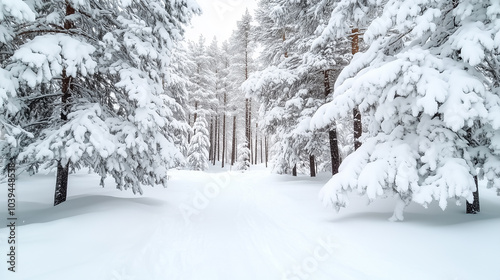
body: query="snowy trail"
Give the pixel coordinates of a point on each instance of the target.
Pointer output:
(229, 225)
(245, 231)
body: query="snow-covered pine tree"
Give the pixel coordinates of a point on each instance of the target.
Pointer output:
(201, 94)
(92, 77)
(177, 88)
(215, 65)
(348, 20)
(295, 82)
(242, 44)
(12, 13)
(198, 147)
(225, 89)
(243, 163)
(429, 87)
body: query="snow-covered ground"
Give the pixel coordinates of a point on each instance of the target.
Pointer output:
(237, 226)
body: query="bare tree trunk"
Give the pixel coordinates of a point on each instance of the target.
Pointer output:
(211, 148)
(473, 208)
(195, 111)
(312, 165)
(224, 146)
(223, 140)
(284, 39)
(61, 189)
(334, 150)
(358, 127)
(332, 134)
(247, 133)
(266, 145)
(261, 150)
(217, 121)
(250, 129)
(256, 142)
(233, 154)
(189, 122)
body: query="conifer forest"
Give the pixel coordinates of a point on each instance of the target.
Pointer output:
(135, 144)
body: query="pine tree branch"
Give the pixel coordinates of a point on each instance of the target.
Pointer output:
(62, 31)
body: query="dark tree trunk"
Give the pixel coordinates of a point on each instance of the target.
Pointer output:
(224, 147)
(266, 146)
(294, 170)
(332, 134)
(261, 151)
(211, 137)
(217, 125)
(247, 132)
(216, 141)
(312, 165)
(61, 190)
(473, 208)
(195, 111)
(334, 150)
(256, 142)
(223, 140)
(189, 122)
(284, 39)
(358, 128)
(249, 128)
(233, 148)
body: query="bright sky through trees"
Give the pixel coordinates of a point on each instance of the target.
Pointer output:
(219, 18)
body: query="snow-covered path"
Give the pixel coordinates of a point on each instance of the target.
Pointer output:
(229, 225)
(236, 226)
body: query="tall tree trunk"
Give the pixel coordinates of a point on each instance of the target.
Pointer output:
(217, 122)
(233, 154)
(312, 165)
(223, 139)
(61, 192)
(473, 208)
(61, 189)
(266, 145)
(189, 122)
(294, 170)
(248, 123)
(247, 134)
(358, 127)
(334, 150)
(62, 175)
(256, 142)
(261, 151)
(195, 111)
(284, 39)
(211, 137)
(250, 126)
(332, 134)
(224, 146)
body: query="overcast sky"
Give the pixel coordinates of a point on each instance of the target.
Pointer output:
(218, 19)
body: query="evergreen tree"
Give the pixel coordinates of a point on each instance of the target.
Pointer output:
(201, 94)
(224, 96)
(242, 44)
(177, 88)
(429, 88)
(243, 157)
(198, 148)
(12, 13)
(92, 78)
(296, 82)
